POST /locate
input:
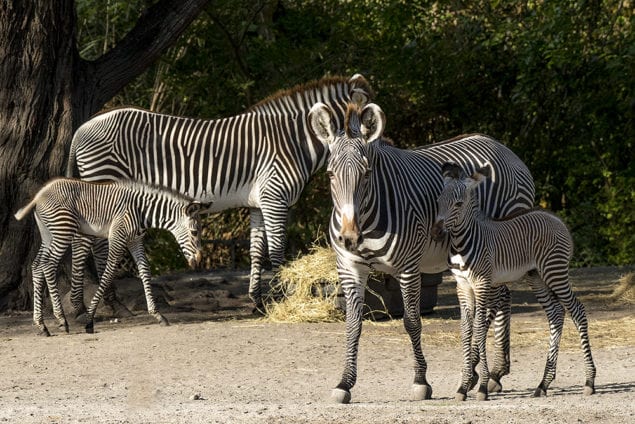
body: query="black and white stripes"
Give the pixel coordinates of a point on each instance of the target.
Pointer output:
(68, 211)
(261, 159)
(485, 253)
(384, 206)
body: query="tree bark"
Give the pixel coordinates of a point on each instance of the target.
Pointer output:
(46, 91)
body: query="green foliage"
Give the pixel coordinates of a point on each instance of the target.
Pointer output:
(553, 80)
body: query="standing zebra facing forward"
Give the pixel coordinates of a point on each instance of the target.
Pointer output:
(118, 211)
(261, 159)
(384, 205)
(485, 253)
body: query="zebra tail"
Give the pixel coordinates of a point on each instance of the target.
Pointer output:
(70, 165)
(25, 210)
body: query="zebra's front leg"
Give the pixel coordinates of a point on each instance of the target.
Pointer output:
(411, 292)
(469, 377)
(480, 338)
(115, 253)
(500, 314)
(257, 249)
(138, 253)
(353, 279)
(80, 249)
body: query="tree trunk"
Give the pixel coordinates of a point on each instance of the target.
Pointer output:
(46, 91)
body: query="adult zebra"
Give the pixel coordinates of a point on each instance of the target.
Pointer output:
(384, 206)
(261, 159)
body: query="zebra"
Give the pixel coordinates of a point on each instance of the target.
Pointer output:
(383, 210)
(260, 159)
(118, 211)
(488, 252)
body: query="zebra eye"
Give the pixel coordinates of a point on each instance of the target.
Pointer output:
(458, 204)
(330, 174)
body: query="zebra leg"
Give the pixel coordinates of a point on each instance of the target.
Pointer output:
(115, 252)
(100, 254)
(578, 315)
(411, 292)
(55, 252)
(555, 316)
(469, 377)
(138, 253)
(38, 292)
(353, 278)
(482, 295)
(80, 247)
(257, 249)
(501, 315)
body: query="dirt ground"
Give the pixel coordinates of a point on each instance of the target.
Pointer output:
(217, 363)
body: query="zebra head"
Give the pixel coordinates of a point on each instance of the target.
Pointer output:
(187, 232)
(349, 164)
(456, 198)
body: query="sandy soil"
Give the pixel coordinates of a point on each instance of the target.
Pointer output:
(219, 363)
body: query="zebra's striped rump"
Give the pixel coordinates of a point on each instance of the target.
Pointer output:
(384, 205)
(74, 212)
(487, 252)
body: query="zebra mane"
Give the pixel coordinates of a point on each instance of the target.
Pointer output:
(353, 120)
(314, 85)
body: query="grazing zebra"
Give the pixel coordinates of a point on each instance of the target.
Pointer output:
(486, 252)
(261, 159)
(383, 210)
(118, 211)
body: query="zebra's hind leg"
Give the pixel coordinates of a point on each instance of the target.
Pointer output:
(411, 291)
(138, 253)
(578, 315)
(555, 315)
(38, 295)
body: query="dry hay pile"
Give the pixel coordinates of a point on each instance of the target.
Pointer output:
(309, 289)
(625, 290)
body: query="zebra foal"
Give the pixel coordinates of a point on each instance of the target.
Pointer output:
(67, 209)
(485, 253)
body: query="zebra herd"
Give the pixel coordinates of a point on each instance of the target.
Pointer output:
(394, 210)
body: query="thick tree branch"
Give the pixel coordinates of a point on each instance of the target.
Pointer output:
(155, 31)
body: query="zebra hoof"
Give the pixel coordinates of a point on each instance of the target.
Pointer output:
(460, 396)
(90, 328)
(341, 396)
(481, 396)
(44, 332)
(539, 392)
(588, 390)
(163, 321)
(421, 392)
(494, 386)
(64, 327)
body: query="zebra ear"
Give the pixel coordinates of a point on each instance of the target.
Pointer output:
(373, 122)
(320, 120)
(482, 174)
(452, 170)
(195, 208)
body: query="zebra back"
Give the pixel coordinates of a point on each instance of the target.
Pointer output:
(241, 160)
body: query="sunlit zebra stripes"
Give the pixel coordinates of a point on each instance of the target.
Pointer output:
(485, 253)
(384, 205)
(261, 159)
(118, 211)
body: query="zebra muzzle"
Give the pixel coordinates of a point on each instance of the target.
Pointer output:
(438, 231)
(350, 236)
